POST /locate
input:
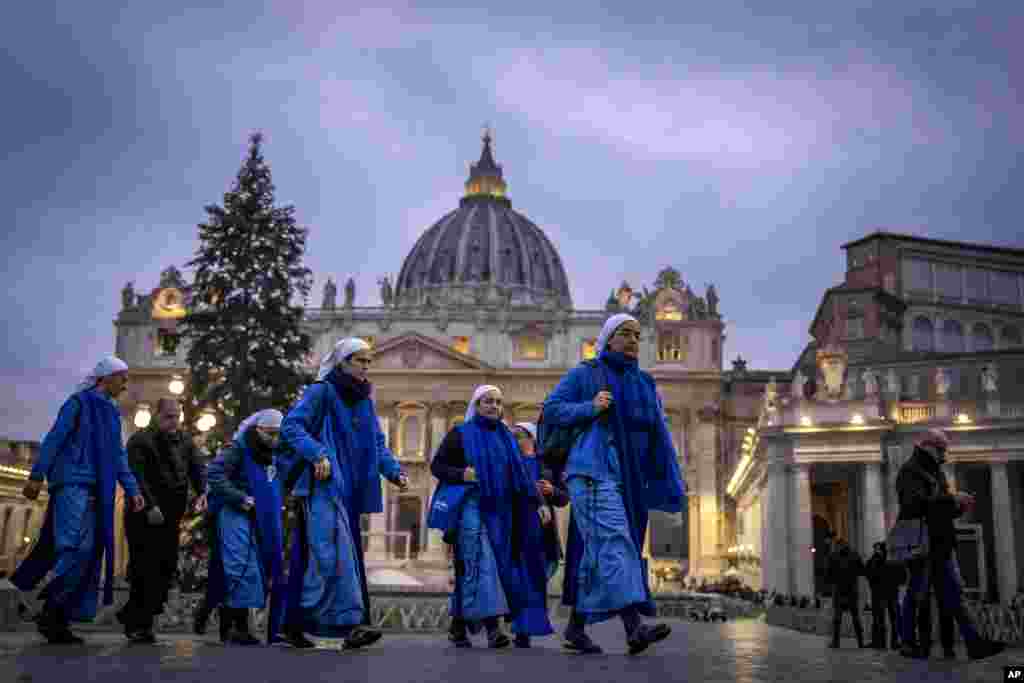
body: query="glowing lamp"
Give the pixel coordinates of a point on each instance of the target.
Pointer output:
(963, 418)
(177, 386)
(143, 416)
(805, 421)
(857, 419)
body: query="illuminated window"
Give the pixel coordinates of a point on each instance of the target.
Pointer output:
(589, 349)
(531, 347)
(461, 344)
(669, 311)
(671, 346)
(166, 343)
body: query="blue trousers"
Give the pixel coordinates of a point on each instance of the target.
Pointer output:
(941, 576)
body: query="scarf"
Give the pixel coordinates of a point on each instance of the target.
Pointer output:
(101, 435)
(350, 389)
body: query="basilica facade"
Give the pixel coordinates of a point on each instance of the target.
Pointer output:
(483, 297)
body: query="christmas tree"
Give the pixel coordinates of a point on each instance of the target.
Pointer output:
(246, 348)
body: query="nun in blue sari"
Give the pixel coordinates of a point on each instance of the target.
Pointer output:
(542, 549)
(337, 456)
(492, 565)
(244, 504)
(83, 459)
(622, 466)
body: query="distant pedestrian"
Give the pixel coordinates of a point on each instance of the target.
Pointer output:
(845, 569)
(885, 579)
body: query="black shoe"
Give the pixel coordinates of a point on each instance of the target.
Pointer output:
(460, 640)
(361, 637)
(645, 636)
(985, 649)
(875, 645)
(833, 645)
(581, 644)
(297, 639)
(522, 641)
(498, 640)
(949, 654)
(914, 652)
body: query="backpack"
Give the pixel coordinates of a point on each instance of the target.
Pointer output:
(556, 442)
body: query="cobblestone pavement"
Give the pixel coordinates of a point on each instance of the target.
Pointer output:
(741, 651)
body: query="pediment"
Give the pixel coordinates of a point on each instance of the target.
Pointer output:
(414, 351)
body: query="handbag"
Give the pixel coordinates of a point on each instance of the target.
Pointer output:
(908, 540)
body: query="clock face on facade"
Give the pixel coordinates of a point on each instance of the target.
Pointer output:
(169, 303)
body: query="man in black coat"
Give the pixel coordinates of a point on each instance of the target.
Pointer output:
(165, 462)
(885, 579)
(845, 569)
(924, 493)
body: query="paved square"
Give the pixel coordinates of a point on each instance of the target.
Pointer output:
(742, 652)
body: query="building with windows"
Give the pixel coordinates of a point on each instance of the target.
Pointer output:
(20, 519)
(483, 297)
(921, 333)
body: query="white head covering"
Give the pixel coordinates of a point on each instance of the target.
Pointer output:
(106, 367)
(613, 323)
(529, 427)
(480, 391)
(341, 351)
(264, 418)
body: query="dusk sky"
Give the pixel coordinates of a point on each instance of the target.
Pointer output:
(741, 143)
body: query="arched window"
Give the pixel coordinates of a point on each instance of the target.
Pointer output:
(952, 336)
(411, 437)
(1011, 337)
(981, 338)
(923, 334)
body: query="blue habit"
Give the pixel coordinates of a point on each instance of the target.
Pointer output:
(633, 470)
(539, 561)
(83, 459)
(246, 561)
(491, 572)
(329, 536)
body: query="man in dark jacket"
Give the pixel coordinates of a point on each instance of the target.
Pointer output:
(164, 462)
(845, 569)
(885, 579)
(924, 493)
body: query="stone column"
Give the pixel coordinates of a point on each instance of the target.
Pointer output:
(1003, 523)
(776, 563)
(434, 552)
(873, 507)
(802, 537)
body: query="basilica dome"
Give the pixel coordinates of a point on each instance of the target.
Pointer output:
(483, 252)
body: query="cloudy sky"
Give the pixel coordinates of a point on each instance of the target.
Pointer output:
(740, 144)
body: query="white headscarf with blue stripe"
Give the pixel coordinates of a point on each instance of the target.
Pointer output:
(264, 418)
(477, 395)
(613, 323)
(342, 350)
(108, 366)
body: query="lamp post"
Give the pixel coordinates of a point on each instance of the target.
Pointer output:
(143, 416)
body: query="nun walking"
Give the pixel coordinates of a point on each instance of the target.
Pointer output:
(83, 459)
(490, 525)
(337, 456)
(621, 466)
(244, 504)
(542, 548)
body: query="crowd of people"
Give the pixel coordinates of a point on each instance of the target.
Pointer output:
(497, 490)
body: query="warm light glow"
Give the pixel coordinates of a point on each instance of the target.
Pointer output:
(751, 431)
(27, 539)
(857, 419)
(805, 421)
(143, 416)
(963, 418)
(206, 422)
(177, 386)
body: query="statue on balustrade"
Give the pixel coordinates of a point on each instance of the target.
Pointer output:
(990, 378)
(350, 293)
(712, 297)
(128, 296)
(330, 295)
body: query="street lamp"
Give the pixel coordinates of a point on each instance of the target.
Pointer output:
(206, 422)
(177, 386)
(143, 416)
